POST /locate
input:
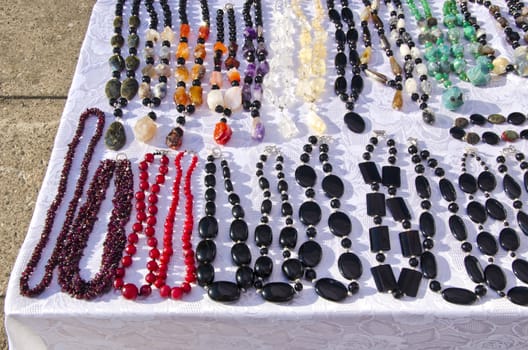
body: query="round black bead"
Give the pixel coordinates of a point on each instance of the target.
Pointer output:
(380, 257)
(466, 247)
(413, 262)
(353, 287)
(346, 243)
(435, 286)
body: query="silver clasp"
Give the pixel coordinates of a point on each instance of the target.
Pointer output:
(271, 149)
(509, 151)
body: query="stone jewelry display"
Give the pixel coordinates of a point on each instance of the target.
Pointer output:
(57, 255)
(146, 218)
(437, 53)
(352, 120)
(409, 280)
(118, 93)
(512, 37)
(291, 268)
(279, 83)
(225, 102)
(311, 72)
(519, 12)
(187, 102)
(69, 277)
(257, 65)
(208, 228)
(458, 131)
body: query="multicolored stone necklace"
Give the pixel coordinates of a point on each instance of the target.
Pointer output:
(118, 93)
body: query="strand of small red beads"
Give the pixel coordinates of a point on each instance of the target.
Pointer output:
(69, 276)
(57, 254)
(190, 269)
(145, 215)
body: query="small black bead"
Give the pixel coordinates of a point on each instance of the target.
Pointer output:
(406, 224)
(311, 232)
(435, 286)
(378, 220)
(466, 247)
(413, 262)
(453, 207)
(310, 193)
(298, 287)
(481, 290)
(425, 205)
(346, 243)
(380, 257)
(310, 274)
(428, 243)
(286, 254)
(353, 287)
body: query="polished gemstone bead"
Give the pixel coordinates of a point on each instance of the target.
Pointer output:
(245, 277)
(195, 94)
(422, 187)
(495, 209)
(427, 224)
(467, 183)
(133, 40)
(331, 289)
(495, 277)
(516, 118)
(233, 98)
(357, 83)
(384, 278)
(288, 237)
(511, 187)
(339, 224)
(237, 211)
(286, 209)
(238, 231)
(474, 269)
(496, 118)
(305, 176)
(366, 55)
(457, 133)
(115, 137)
(487, 243)
(458, 228)
(224, 291)
(180, 96)
(472, 138)
(263, 235)
(486, 181)
(117, 64)
(263, 183)
(263, 266)
(447, 190)
(131, 62)
(376, 76)
(409, 281)
(397, 100)
(461, 122)
(398, 209)
(509, 240)
(278, 292)
(293, 269)
(518, 295)
(490, 138)
(206, 251)
(310, 253)
(410, 243)
(208, 227)
(145, 129)
(476, 212)
(428, 265)
(354, 122)
(175, 138)
(376, 204)
(160, 90)
(452, 98)
(459, 296)
(340, 61)
(240, 254)
(332, 186)
(379, 239)
(265, 207)
(222, 133)
(197, 72)
(205, 274)
(129, 88)
(499, 65)
(509, 135)
(310, 213)
(350, 266)
(370, 172)
(390, 176)
(520, 269)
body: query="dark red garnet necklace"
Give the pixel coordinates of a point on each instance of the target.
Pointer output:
(58, 252)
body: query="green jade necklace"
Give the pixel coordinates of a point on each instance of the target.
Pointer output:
(438, 51)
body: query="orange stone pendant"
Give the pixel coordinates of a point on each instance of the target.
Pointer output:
(222, 133)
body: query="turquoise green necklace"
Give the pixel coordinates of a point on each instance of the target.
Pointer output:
(437, 51)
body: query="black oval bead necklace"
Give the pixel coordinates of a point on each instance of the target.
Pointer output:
(292, 268)
(486, 242)
(310, 252)
(119, 94)
(222, 291)
(339, 223)
(353, 120)
(409, 280)
(428, 265)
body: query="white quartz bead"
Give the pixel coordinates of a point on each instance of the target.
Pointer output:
(215, 98)
(233, 98)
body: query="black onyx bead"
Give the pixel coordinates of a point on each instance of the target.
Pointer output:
(335, 203)
(310, 274)
(425, 205)
(453, 207)
(439, 172)
(480, 290)
(428, 243)
(406, 224)
(346, 243)
(380, 257)
(286, 254)
(353, 287)
(310, 193)
(435, 286)
(298, 287)
(466, 247)
(413, 262)
(311, 232)
(419, 169)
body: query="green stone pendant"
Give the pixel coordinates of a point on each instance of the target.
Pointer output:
(452, 98)
(115, 137)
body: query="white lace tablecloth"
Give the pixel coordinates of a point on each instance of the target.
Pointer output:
(368, 320)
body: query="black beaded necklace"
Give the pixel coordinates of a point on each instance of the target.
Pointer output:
(518, 11)
(222, 291)
(292, 268)
(411, 246)
(339, 223)
(69, 277)
(428, 264)
(353, 120)
(119, 94)
(486, 242)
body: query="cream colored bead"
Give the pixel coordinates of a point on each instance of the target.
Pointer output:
(316, 124)
(215, 98)
(499, 65)
(168, 35)
(145, 129)
(233, 98)
(144, 90)
(404, 50)
(152, 35)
